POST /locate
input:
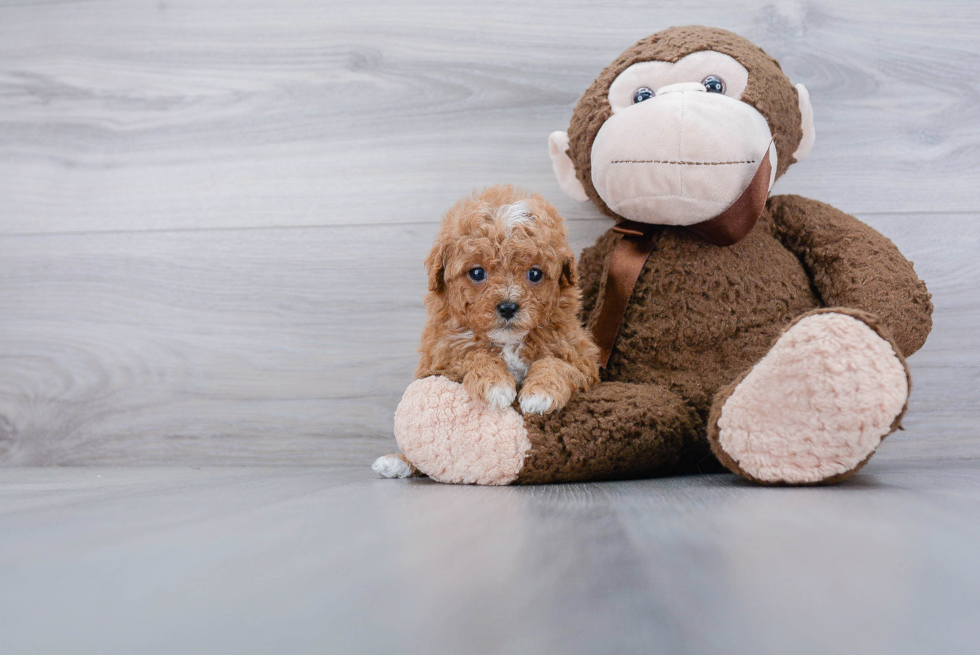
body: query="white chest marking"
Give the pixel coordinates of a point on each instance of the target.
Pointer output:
(511, 352)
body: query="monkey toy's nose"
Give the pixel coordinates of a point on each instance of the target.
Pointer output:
(507, 309)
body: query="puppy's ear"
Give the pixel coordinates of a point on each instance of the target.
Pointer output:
(435, 265)
(569, 274)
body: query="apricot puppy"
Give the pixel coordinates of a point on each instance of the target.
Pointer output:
(503, 304)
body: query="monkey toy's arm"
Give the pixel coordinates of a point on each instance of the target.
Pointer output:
(852, 265)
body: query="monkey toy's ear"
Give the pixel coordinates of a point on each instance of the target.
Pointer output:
(435, 265)
(806, 114)
(564, 168)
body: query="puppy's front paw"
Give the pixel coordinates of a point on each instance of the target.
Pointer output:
(537, 403)
(500, 396)
(496, 388)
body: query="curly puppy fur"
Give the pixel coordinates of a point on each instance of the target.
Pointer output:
(541, 355)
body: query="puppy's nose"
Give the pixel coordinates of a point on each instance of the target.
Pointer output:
(507, 309)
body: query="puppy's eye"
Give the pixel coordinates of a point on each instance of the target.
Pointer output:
(713, 84)
(643, 93)
(535, 275)
(477, 274)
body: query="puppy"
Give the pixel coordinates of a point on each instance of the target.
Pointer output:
(503, 308)
(503, 304)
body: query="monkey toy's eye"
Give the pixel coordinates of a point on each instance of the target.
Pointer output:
(713, 84)
(535, 275)
(643, 93)
(477, 274)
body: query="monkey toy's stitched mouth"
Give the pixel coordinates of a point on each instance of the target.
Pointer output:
(681, 191)
(683, 163)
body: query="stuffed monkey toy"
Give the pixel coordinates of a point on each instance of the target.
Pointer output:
(767, 335)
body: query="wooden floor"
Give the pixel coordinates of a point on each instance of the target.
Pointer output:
(308, 560)
(212, 223)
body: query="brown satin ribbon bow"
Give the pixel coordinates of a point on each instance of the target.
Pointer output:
(638, 240)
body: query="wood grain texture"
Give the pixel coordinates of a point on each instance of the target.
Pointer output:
(213, 215)
(301, 560)
(132, 116)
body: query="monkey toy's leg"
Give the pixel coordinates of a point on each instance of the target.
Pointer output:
(814, 409)
(616, 430)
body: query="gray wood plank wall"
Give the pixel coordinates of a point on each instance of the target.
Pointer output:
(213, 215)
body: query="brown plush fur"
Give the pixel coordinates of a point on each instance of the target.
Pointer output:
(768, 90)
(465, 338)
(617, 430)
(701, 316)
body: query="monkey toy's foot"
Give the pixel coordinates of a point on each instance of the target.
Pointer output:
(452, 438)
(814, 409)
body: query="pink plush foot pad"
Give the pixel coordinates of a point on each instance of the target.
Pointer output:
(452, 438)
(817, 405)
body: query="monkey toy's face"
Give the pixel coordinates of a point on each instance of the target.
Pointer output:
(679, 127)
(680, 146)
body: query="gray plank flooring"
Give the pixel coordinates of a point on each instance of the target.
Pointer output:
(212, 223)
(301, 560)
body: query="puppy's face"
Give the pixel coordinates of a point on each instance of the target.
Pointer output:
(501, 264)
